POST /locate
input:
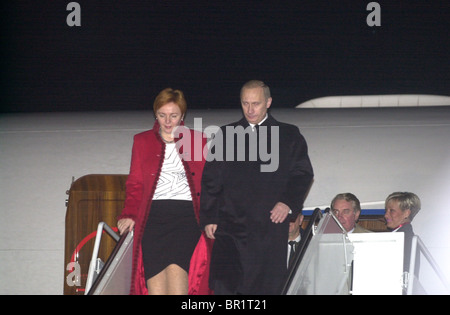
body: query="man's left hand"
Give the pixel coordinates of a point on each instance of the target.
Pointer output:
(279, 213)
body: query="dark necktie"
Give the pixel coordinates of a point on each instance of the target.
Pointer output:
(292, 252)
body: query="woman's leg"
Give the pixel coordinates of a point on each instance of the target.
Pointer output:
(173, 280)
(177, 280)
(157, 285)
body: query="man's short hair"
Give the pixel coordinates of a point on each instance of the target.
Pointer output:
(349, 197)
(253, 84)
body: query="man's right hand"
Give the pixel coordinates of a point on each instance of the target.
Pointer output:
(210, 229)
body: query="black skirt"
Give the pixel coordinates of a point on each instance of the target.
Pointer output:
(170, 236)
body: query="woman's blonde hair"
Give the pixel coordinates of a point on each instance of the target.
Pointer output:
(406, 200)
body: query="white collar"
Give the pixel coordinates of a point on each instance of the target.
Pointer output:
(297, 239)
(253, 125)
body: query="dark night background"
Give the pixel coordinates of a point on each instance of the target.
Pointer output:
(125, 52)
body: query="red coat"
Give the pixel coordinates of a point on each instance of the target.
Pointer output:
(146, 163)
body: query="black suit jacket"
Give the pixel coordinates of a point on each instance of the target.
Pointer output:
(409, 233)
(249, 253)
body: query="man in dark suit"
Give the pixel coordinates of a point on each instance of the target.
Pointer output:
(295, 236)
(248, 194)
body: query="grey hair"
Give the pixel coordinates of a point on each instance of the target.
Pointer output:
(349, 197)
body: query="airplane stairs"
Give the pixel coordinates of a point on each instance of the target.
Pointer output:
(329, 261)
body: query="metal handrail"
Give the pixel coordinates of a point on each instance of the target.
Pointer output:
(417, 244)
(101, 226)
(304, 242)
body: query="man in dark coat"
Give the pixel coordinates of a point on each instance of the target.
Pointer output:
(257, 174)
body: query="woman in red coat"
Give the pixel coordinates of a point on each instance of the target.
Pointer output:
(170, 254)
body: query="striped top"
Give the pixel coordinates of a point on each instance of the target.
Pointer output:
(172, 183)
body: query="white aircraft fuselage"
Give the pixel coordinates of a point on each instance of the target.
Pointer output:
(370, 152)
